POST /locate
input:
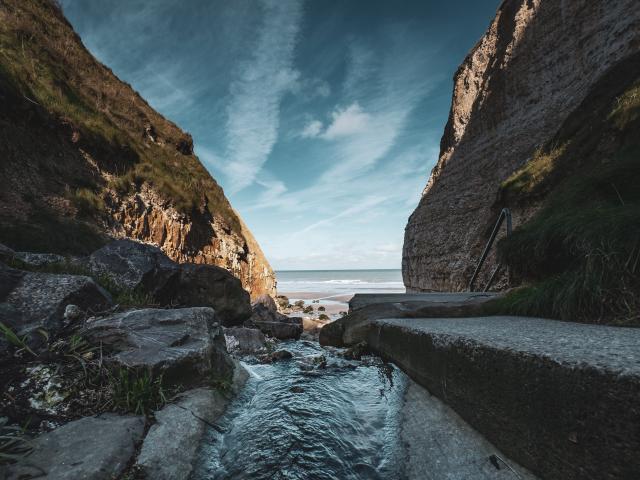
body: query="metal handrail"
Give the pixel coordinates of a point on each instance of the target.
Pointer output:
(504, 214)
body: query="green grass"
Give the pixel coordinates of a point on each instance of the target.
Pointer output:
(13, 339)
(580, 254)
(223, 384)
(136, 392)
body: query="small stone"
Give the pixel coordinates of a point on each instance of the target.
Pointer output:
(296, 389)
(72, 312)
(276, 356)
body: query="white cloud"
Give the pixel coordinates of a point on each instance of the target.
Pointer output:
(254, 110)
(346, 122)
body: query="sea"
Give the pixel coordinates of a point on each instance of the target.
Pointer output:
(340, 282)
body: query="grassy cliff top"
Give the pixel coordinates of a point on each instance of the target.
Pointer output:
(43, 63)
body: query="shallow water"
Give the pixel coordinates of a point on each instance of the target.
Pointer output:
(296, 420)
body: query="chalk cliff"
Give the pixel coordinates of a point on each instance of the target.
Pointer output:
(537, 62)
(84, 158)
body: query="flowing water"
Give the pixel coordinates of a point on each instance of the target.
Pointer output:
(297, 419)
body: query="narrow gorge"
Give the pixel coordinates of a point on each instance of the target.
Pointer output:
(142, 336)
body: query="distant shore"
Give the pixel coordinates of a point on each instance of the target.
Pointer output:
(333, 303)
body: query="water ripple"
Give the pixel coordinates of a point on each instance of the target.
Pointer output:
(340, 422)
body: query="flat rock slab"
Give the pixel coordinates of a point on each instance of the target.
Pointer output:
(183, 344)
(559, 398)
(169, 449)
(361, 300)
(96, 448)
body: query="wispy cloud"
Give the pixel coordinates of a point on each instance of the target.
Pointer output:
(312, 129)
(254, 108)
(367, 203)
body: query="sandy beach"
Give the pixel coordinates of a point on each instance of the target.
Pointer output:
(333, 304)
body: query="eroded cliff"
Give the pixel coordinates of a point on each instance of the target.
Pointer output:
(84, 157)
(535, 65)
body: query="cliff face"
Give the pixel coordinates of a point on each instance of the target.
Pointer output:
(85, 158)
(537, 62)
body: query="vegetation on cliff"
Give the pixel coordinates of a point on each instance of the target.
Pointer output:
(580, 254)
(65, 112)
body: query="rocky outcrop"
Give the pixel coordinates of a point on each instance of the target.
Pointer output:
(198, 238)
(135, 266)
(536, 63)
(85, 158)
(99, 448)
(183, 345)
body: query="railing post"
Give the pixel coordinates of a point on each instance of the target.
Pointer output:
(504, 214)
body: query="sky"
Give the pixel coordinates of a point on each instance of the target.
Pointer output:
(321, 119)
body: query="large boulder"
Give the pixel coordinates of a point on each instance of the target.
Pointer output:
(96, 448)
(265, 302)
(211, 286)
(244, 340)
(39, 300)
(132, 265)
(137, 266)
(185, 345)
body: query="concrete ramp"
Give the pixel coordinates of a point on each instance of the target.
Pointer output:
(561, 399)
(362, 300)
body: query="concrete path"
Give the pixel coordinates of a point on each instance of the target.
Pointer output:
(614, 349)
(559, 398)
(442, 446)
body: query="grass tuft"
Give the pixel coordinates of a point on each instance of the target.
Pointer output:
(136, 392)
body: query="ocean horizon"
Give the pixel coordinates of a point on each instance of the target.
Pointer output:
(340, 282)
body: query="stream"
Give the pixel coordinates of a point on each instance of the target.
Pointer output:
(310, 418)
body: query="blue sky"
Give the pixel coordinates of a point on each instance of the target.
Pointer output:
(321, 119)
